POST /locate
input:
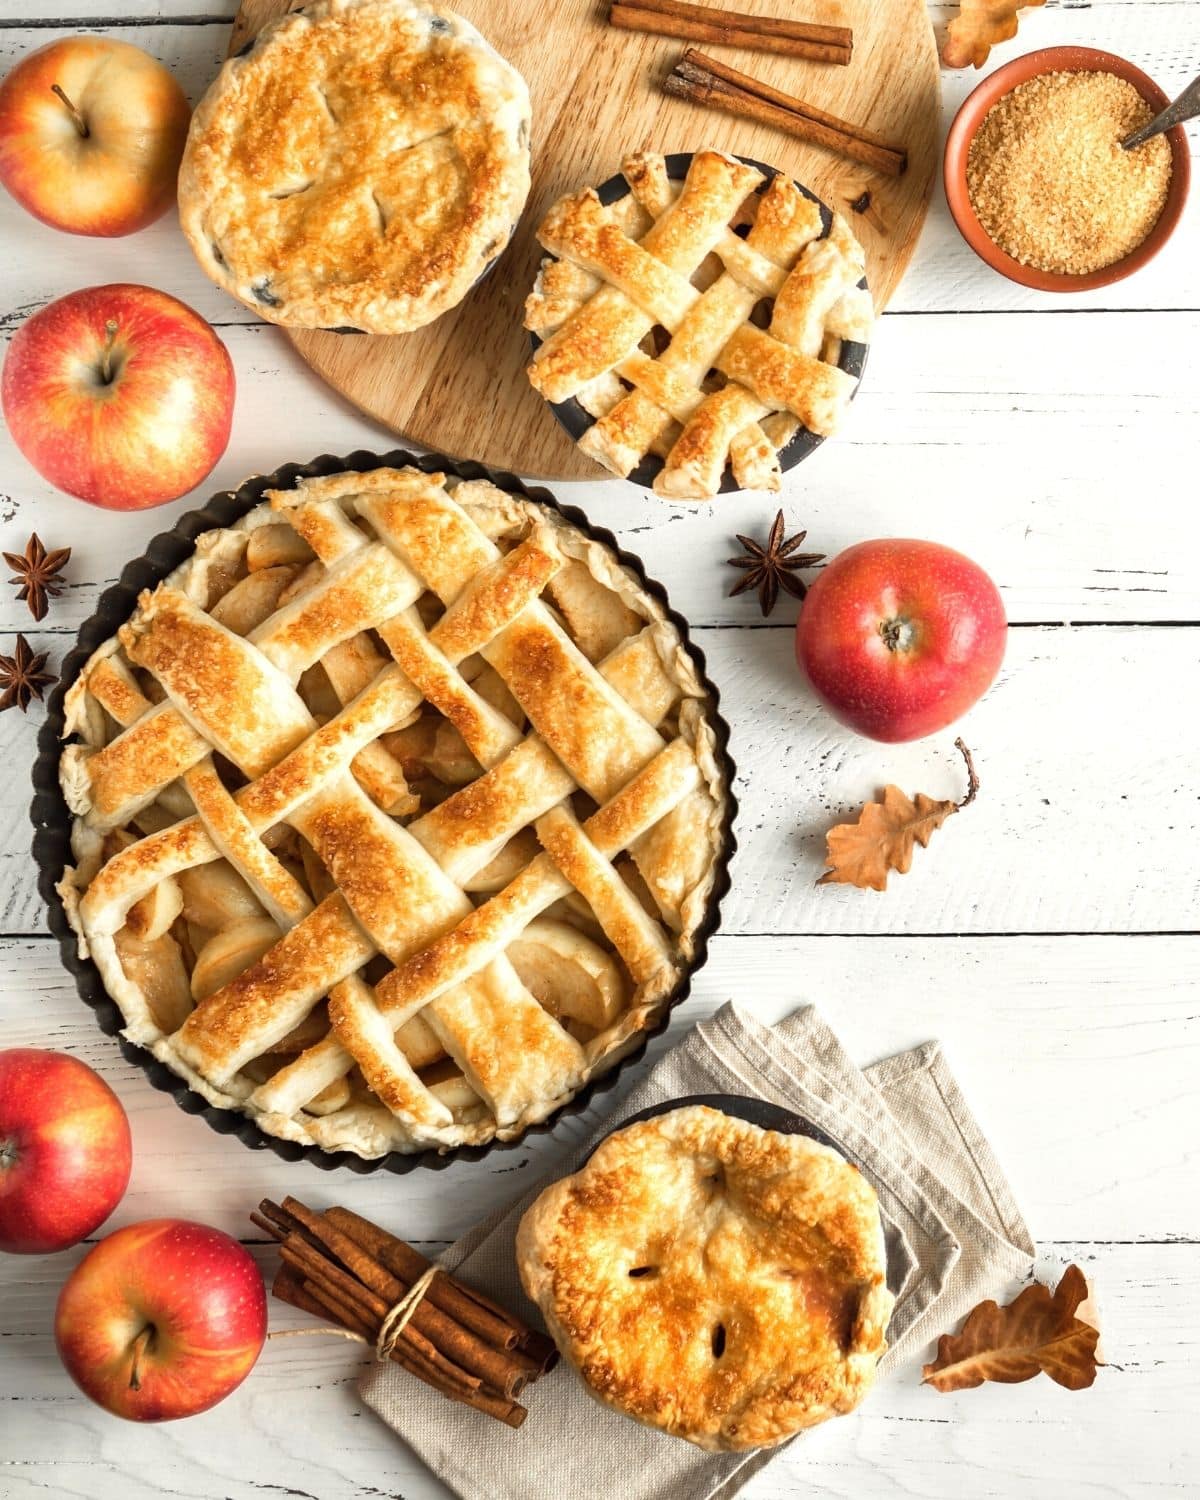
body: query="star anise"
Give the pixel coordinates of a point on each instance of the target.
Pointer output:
(770, 568)
(37, 572)
(23, 676)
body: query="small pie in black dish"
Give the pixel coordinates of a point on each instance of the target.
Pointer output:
(700, 322)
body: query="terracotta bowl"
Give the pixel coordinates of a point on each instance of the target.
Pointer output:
(968, 121)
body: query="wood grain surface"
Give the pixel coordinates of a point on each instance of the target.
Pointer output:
(459, 385)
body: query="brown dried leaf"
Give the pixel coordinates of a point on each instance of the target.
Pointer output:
(883, 838)
(977, 28)
(1038, 1331)
(862, 853)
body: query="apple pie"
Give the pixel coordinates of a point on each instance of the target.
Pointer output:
(357, 166)
(700, 323)
(724, 1283)
(398, 810)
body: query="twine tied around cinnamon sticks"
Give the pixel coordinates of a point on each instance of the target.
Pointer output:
(399, 1315)
(395, 1321)
(380, 1291)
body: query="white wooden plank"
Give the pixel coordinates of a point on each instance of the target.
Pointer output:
(1079, 1056)
(945, 276)
(1049, 1112)
(1067, 473)
(110, 15)
(1088, 819)
(297, 1428)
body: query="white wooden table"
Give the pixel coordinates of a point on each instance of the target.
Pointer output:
(1050, 938)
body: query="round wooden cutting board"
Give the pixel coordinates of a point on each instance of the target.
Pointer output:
(459, 386)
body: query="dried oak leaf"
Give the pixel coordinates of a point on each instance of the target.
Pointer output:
(882, 840)
(1039, 1331)
(977, 28)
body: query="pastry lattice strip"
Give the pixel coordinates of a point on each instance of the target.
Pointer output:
(619, 288)
(324, 948)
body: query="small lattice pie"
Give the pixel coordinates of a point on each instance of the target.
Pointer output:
(723, 1283)
(358, 166)
(701, 322)
(397, 811)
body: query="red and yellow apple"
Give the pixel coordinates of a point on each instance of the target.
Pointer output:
(119, 394)
(91, 133)
(161, 1320)
(899, 638)
(65, 1151)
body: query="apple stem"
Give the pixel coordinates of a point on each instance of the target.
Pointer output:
(972, 774)
(80, 122)
(8, 1154)
(140, 1346)
(895, 634)
(106, 358)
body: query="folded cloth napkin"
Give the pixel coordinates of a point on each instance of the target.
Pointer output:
(954, 1233)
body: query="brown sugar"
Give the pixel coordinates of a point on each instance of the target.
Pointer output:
(1050, 182)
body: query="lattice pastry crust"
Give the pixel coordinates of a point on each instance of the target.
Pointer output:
(397, 813)
(701, 322)
(358, 167)
(724, 1283)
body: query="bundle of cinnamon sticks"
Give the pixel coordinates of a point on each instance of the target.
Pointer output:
(342, 1268)
(719, 27)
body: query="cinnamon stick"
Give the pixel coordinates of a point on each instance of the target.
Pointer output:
(542, 1350)
(800, 31)
(763, 90)
(704, 80)
(332, 1281)
(309, 1298)
(465, 1304)
(705, 23)
(337, 1308)
(497, 1367)
(471, 1308)
(289, 1287)
(339, 1266)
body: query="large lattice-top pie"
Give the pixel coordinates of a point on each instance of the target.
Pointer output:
(397, 812)
(700, 323)
(358, 166)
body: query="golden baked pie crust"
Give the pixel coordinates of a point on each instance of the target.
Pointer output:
(397, 813)
(687, 339)
(721, 1282)
(360, 166)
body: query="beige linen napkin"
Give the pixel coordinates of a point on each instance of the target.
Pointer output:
(954, 1234)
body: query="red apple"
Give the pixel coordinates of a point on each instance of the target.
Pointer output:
(899, 638)
(65, 1151)
(161, 1320)
(91, 133)
(120, 395)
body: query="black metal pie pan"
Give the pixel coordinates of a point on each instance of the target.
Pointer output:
(760, 1112)
(52, 819)
(852, 357)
